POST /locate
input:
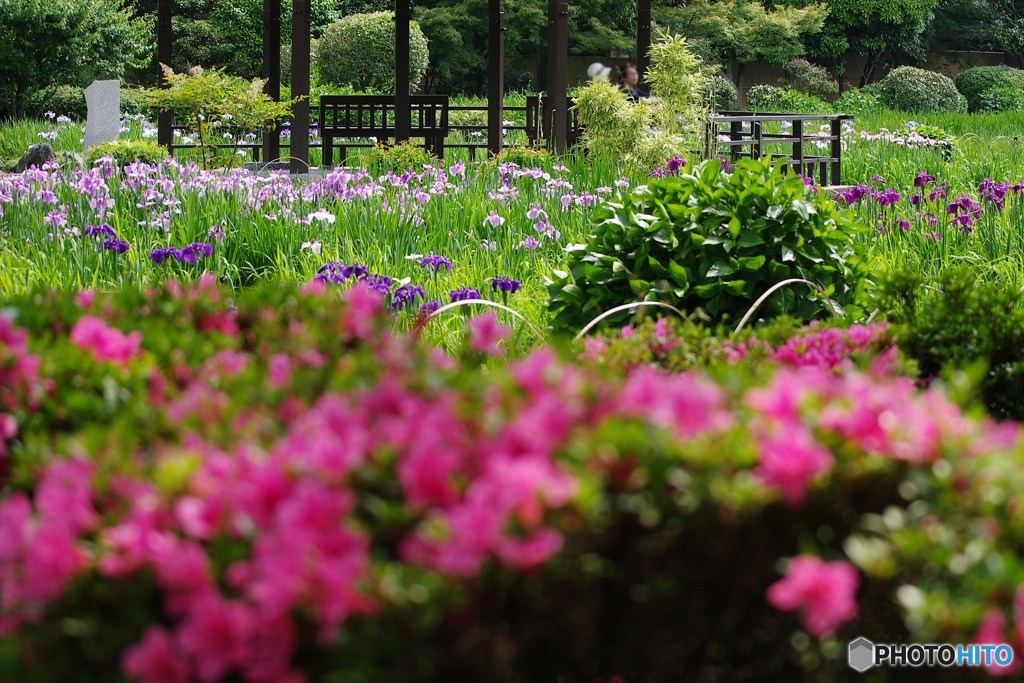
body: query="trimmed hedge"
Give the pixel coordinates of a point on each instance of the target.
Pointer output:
(277, 487)
(992, 88)
(916, 90)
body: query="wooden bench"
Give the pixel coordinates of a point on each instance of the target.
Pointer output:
(539, 121)
(373, 116)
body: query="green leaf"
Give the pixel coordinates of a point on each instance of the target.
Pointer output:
(751, 262)
(720, 269)
(749, 239)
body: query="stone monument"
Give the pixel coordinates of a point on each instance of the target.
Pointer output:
(103, 98)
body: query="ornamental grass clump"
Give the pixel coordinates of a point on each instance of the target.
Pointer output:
(715, 240)
(277, 487)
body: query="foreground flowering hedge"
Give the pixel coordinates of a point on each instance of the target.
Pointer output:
(278, 488)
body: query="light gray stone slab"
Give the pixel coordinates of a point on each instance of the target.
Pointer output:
(103, 98)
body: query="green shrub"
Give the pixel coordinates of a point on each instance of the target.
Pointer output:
(526, 157)
(769, 98)
(957, 322)
(724, 95)
(398, 158)
(713, 240)
(858, 101)
(916, 90)
(127, 151)
(134, 101)
(978, 86)
(810, 79)
(359, 50)
(68, 100)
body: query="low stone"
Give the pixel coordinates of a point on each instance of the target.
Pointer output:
(36, 155)
(268, 167)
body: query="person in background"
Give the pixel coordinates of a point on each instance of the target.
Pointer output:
(630, 79)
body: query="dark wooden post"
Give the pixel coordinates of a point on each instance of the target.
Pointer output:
(164, 39)
(798, 146)
(272, 71)
(558, 42)
(643, 37)
(837, 150)
(495, 75)
(403, 110)
(299, 140)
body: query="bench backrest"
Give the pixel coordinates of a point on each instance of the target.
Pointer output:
(374, 115)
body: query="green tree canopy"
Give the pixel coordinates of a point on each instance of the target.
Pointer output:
(737, 32)
(46, 43)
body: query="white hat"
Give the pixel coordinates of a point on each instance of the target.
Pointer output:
(598, 71)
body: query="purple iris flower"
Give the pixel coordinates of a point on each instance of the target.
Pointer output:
(505, 284)
(464, 294)
(190, 252)
(102, 230)
(115, 245)
(923, 179)
(887, 197)
(676, 163)
(428, 307)
(161, 254)
(436, 262)
(405, 297)
(378, 283)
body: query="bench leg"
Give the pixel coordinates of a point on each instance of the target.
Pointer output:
(328, 151)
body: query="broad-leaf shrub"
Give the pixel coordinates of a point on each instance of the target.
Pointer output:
(277, 488)
(956, 322)
(908, 88)
(716, 240)
(989, 88)
(359, 51)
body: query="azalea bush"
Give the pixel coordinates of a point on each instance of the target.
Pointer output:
(276, 487)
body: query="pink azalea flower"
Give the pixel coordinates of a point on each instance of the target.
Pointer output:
(279, 371)
(824, 592)
(485, 332)
(155, 660)
(105, 343)
(991, 631)
(790, 459)
(214, 636)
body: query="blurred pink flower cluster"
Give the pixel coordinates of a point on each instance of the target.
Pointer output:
(105, 343)
(824, 592)
(19, 379)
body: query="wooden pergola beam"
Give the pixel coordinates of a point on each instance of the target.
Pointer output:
(272, 71)
(643, 37)
(558, 50)
(299, 136)
(164, 40)
(403, 112)
(495, 76)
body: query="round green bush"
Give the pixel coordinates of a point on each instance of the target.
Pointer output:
(724, 94)
(359, 50)
(991, 88)
(126, 152)
(917, 90)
